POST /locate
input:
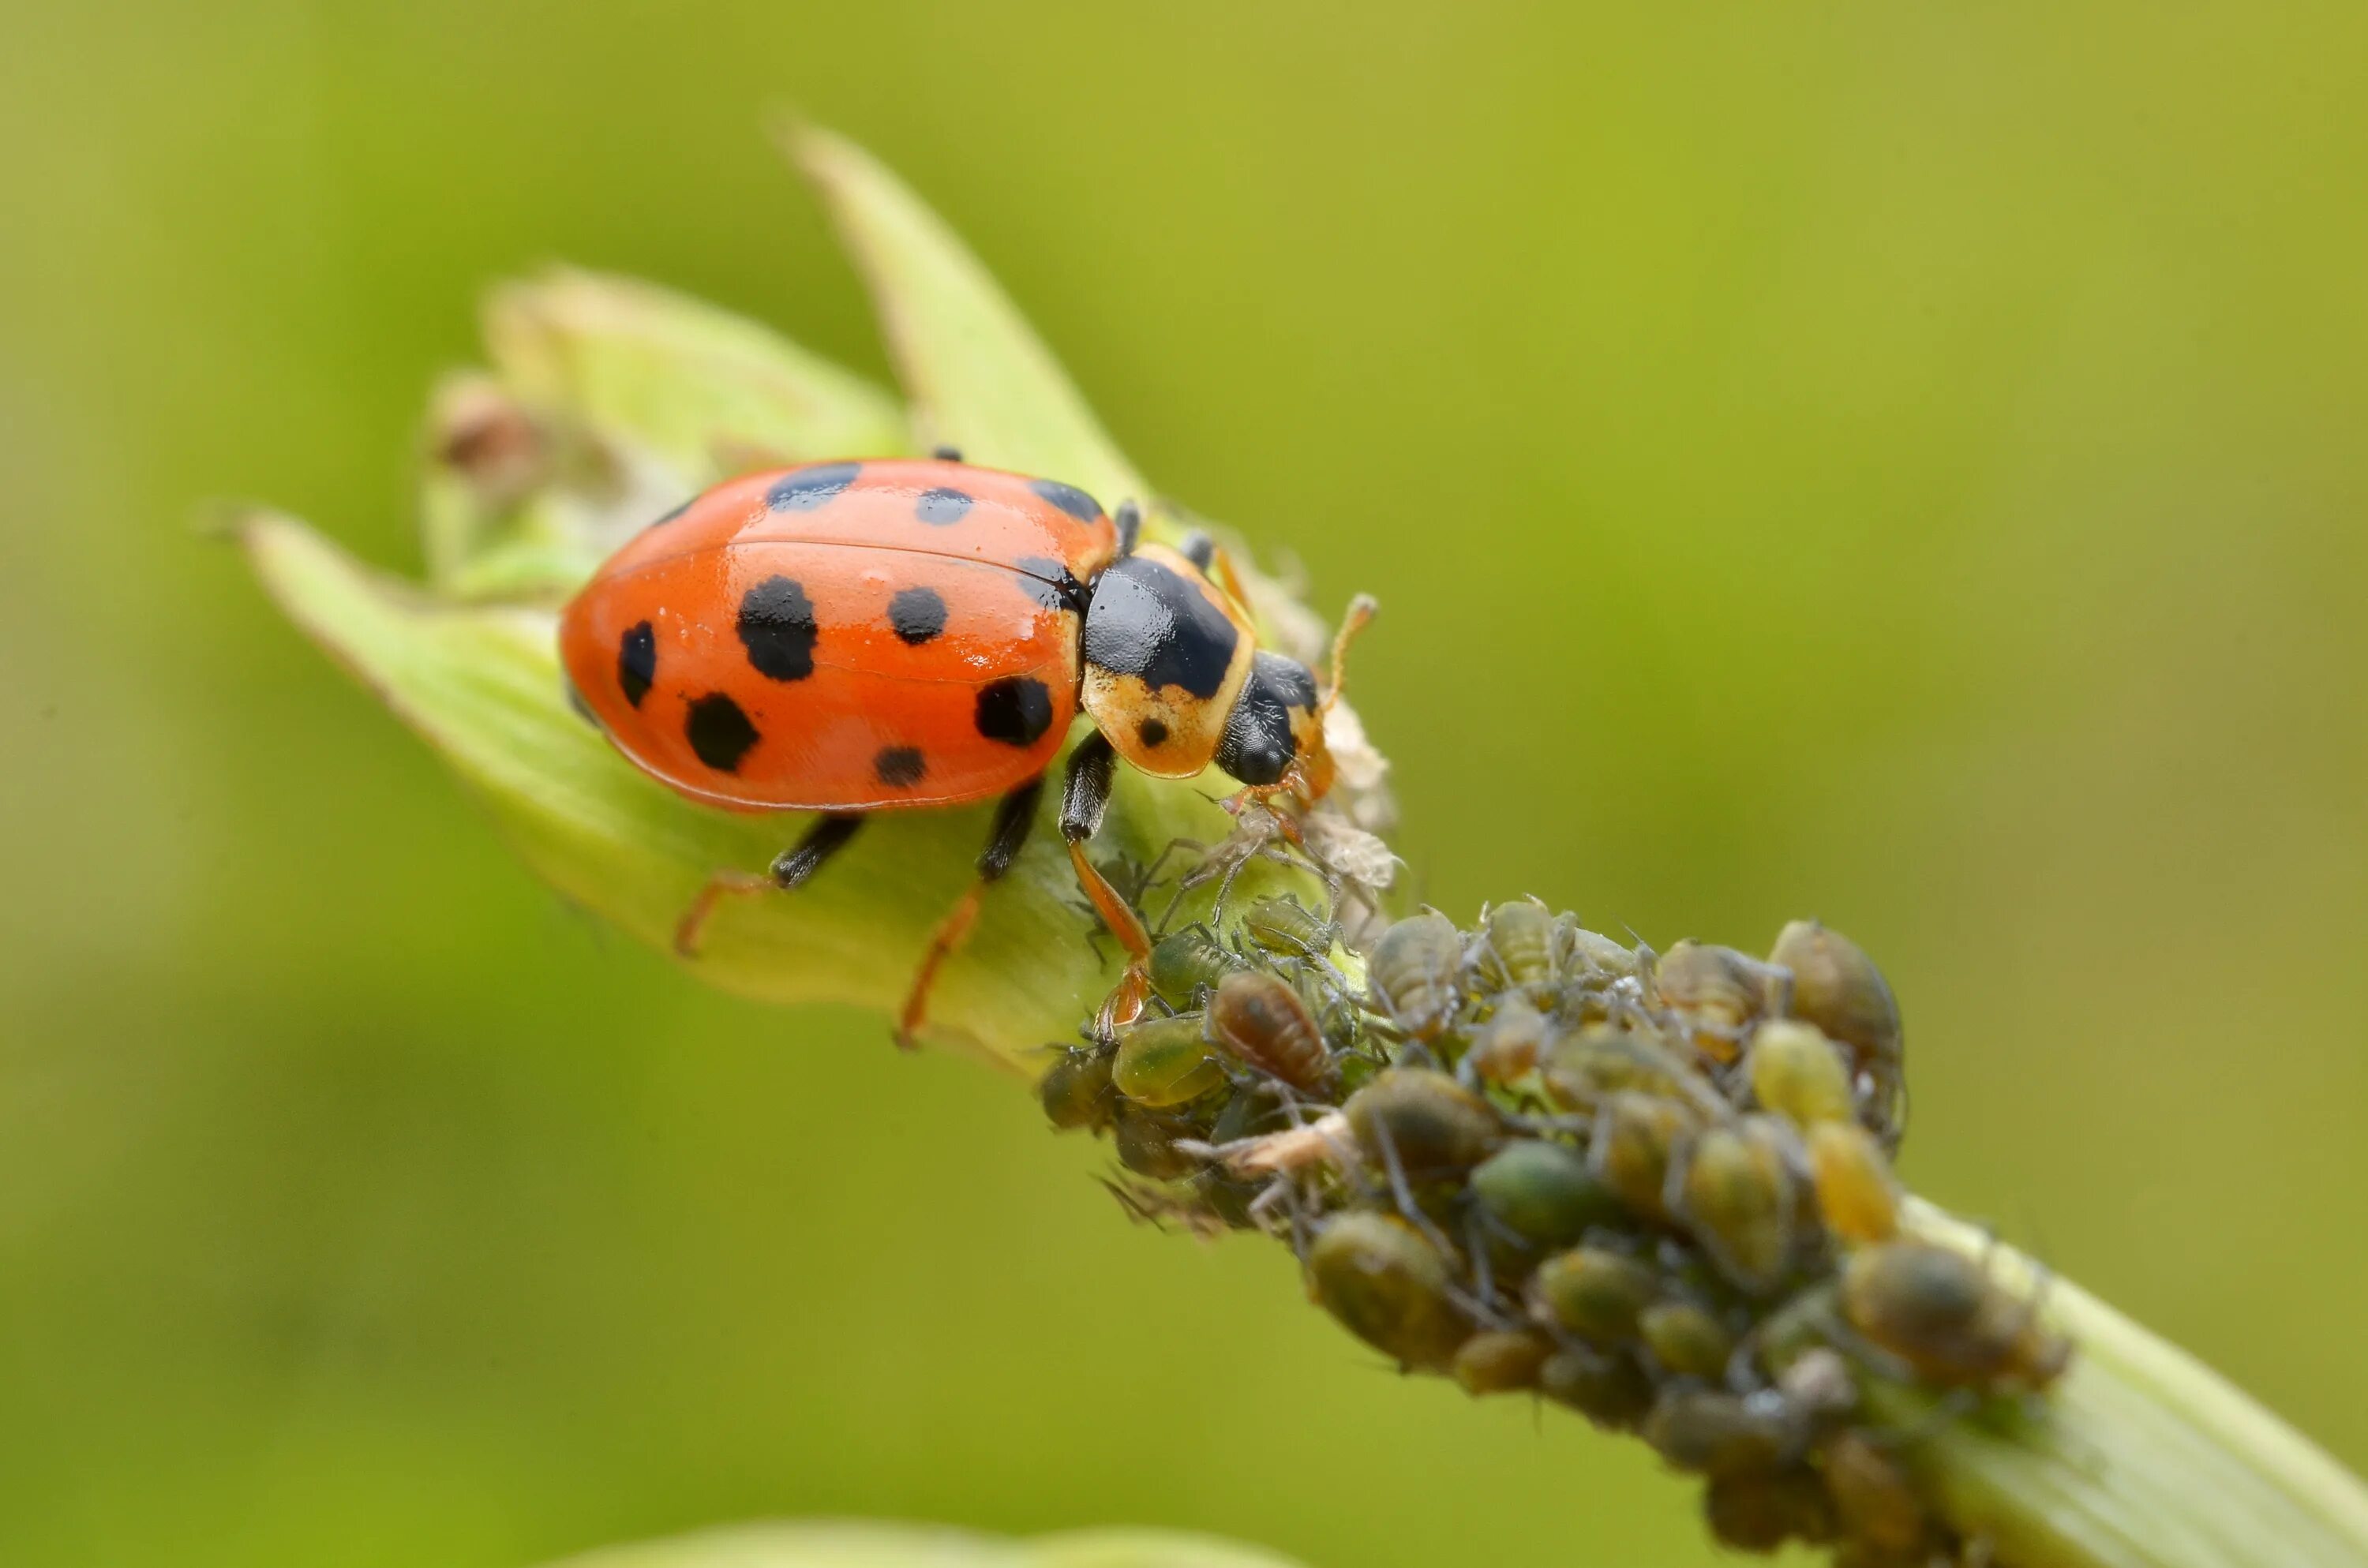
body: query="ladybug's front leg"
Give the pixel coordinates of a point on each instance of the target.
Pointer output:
(1084, 796)
(790, 870)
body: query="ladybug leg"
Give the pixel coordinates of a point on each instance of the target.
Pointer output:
(1129, 523)
(1084, 796)
(790, 870)
(1013, 818)
(946, 454)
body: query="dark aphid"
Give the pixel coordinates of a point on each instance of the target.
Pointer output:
(1798, 1073)
(1583, 1071)
(1501, 1360)
(1760, 1513)
(1076, 1090)
(1543, 1192)
(1594, 1293)
(1516, 948)
(1147, 1144)
(1942, 1313)
(1261, 1022)
(1389, 1286)
(1709, 1432)
(1165, 1061)
(1507, 1048)
(1635, 1135)
(1430, 1124)
(1858, 1196)
(1288, 928)
(1716, 991)
(1412, 970)
(1736, 1194)
(1837, 987)
(1186, 964)
(1685, 1339)
(1875, 1502)
(1608, 1387)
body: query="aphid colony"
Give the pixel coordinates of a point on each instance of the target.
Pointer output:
(1654, 1188)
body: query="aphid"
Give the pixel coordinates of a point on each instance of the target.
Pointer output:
(1579, 951)
(1582, 1071)
(1837, 987)
(1501, 1360)
(1146, 1143)
(1818, 1383)
(1595, 1293)
(1716, 991)
(1685, 1339)
(1412, 970)
(1737, 1195)
(1759, 1513)
(1874, 1500)
(1608, 1387)
(1389, 1286)
(1287, 928)
(1185, 963)
(1506, 1047)
(1425, 1122)
(1942, 1313)
(1516, 946)
(1635, 1135)
(1857, 1194)
(1798, 1073)
(1076, 1091)
(1710, 1432)
(1261, 1022)
(1543, 1192)
(852, 637)
(1165, 1061)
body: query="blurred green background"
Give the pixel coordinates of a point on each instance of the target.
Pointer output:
(1896, 462)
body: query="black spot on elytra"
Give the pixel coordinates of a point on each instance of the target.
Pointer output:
(1016, 710)
(1151, 733)
(1149, 619)
(1051, 583)
(719, 731)
(1067, 497)
(942, 506)
(777, 626)
(637, 661)
(915, 615)
(808, 488)
(900, 768)
(1258, 745)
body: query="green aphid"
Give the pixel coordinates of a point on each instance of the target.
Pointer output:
(1543, 1192)
(1186, 964)
(1636, 1135)
(1516, 948)
(1876, 1503)
(1594, 1293)
(1388, 1286)
(1581, 953)
(1288, 928)
(1710, 1432)
(1165, 1061)
(1581, 1071)
(1798, 1073)
(1413, 971)
(1942, 1313)
(1739, 1196)
(1715, 991)
(1761, 1513)
(1501, 1361)
(1507, 1048)
(1147, 1144)
(1837, 987)
(1076, 1090)
(1427, 1122)
(1686, 1339)
(1608, 1387)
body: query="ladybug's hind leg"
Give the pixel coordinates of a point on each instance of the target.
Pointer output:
(1084, 796)
(790, 870)
(1013, 818)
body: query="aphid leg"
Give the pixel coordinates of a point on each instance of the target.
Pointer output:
(790, 870)
(1403, 1193)
(1084, 796)
(1013, 818)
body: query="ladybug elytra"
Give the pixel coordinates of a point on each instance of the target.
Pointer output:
(849, 638)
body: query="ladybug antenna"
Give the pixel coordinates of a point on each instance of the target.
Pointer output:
(1130, 527)
(1361, 611)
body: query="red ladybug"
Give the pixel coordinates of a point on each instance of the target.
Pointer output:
(849, 638)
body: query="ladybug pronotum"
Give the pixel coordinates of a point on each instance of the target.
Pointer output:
(847, 638)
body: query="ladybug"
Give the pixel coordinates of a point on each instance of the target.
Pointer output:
(849, 638)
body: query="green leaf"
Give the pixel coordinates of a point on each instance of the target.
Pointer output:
(853, 1544)
(979, 378)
